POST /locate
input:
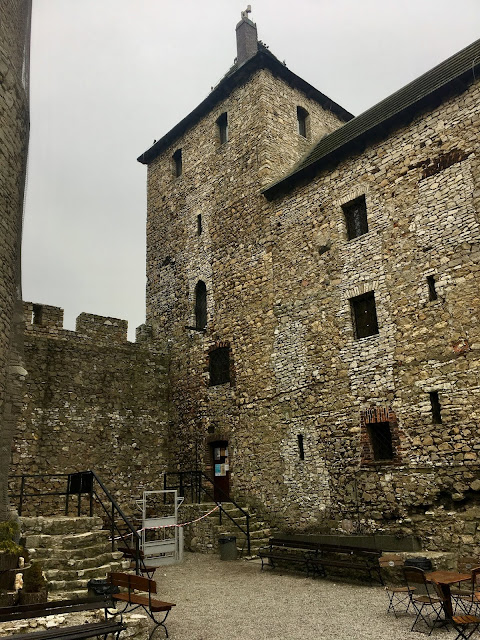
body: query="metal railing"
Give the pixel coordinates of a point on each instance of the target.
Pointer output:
(81, 486)
(194, 485)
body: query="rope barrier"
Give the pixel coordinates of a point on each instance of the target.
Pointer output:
(183, 524)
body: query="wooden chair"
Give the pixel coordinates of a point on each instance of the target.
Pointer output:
(399, 597)
(429, 604)
(468, 600)
(461, 624)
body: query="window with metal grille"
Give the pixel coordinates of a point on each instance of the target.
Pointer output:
(355, 213)
(364, 315)
(432, 291)
(219, 366)
(302, 119)
(436, 407)
(380, 437)
(200, 305)
(177, 163)
(222, 124)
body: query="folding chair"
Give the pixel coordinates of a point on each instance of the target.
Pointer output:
(468, 600)
(428, 606)
(461, 624)
(399, 597)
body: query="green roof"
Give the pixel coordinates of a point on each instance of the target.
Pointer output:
(454, 72)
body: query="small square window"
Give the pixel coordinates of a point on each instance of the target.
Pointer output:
(177, 163)
(380, 437)
(364, 315)
(356, 217)
(219, 366)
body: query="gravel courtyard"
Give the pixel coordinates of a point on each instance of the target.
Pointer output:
(236, 601)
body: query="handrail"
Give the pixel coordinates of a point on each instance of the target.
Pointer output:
(199, 487)
(112, 509)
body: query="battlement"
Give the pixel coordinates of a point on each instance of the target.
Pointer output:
(46, 319)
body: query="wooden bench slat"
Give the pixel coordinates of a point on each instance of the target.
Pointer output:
(134, 598)
(77, 632)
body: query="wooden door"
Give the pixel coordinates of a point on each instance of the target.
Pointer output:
(221, 470)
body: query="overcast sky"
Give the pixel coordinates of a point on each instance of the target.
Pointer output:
(110, 76)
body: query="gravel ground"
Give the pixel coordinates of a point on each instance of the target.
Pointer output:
(219, 600)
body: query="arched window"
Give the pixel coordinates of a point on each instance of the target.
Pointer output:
(200, 305)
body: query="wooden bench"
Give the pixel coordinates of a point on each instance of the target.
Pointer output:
(132, 554)
(315, 557)
(55, 607)
(288, 552)
(345, 556)
(133, 600)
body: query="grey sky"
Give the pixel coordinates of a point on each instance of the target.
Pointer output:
(110, 76)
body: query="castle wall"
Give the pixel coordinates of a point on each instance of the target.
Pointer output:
(92, 401)
(14, 131)
(280, 276)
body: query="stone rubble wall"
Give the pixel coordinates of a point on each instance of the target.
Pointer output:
(280, 276)
(92, 402)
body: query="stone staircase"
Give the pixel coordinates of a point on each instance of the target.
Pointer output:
(71, 551)
(259, 531)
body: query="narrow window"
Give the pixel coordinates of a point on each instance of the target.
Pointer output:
(37, 314)
(436, 408)
(199, 224)
(380, 437)
(302, 116)
(222, 124)
(219, 366)
(432, 291)
(364, 315)
(200, 305)
(301, 451)
(177, 163)
(356, 217)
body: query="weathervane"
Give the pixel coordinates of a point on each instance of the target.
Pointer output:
(246, 12)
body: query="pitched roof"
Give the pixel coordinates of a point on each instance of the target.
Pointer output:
(454, 72)
(236, 77)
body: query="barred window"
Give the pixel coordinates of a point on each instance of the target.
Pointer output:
(364, 315)
(355, 213)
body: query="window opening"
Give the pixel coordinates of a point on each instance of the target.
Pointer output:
(432, 290)
(201, 305)
(37, 314)
(356, 217)
(302, 116)
(177, 162)
(219, 366)
(380, 437)
(436, 407)
(199, 224)
(222, 124)
(301, 451)
(364, 314)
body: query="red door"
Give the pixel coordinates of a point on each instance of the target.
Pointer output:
(221, 471)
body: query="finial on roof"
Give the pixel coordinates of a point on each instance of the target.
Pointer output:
(246, 12)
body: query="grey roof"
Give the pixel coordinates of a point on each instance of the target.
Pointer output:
(235, 77)
(452, 74)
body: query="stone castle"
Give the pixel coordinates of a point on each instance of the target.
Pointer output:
(312, 337)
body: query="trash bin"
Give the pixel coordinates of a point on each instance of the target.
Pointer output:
(228, 548)
(100, 587)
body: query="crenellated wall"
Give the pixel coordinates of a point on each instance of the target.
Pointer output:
(92, 400)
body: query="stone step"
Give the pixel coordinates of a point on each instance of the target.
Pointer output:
(60, 525)
(54, 562)
(68, 541)
(67, 575)
(64, 555)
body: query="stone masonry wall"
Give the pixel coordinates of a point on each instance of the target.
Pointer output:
(280, 276)
(92, 401)
(14, 132)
